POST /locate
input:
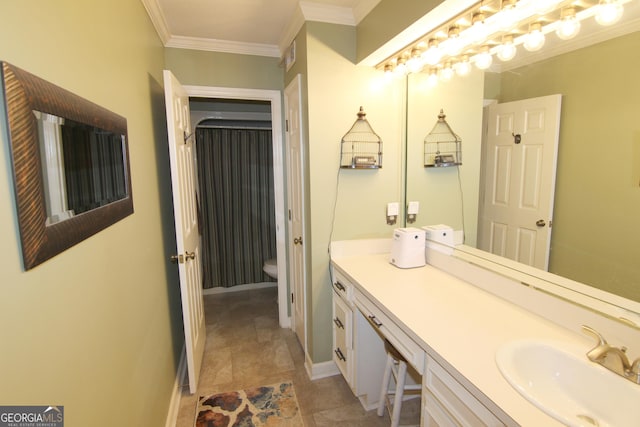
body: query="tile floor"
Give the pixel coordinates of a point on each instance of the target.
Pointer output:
(246, 347)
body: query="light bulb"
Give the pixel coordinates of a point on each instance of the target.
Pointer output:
(388, 72)
(535, 39)
(415, 63)
(608, 12)
(506, 17)
(433, 54)
(401, 67)
(478, 29)
(463, 67)
(569, 26)
(507, 50)
(453, 45)
(432, 80)
(446, 73)
(483, 60)
(544, 6)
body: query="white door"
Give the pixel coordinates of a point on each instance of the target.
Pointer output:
(292, 105)
(520, 154)
(182, 155)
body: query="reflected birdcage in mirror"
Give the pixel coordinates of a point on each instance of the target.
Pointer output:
(361, 147)
(442, 146)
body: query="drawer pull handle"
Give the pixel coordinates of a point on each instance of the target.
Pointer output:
(340, 286)
(338, 323)
(340, 355)
(375, 321)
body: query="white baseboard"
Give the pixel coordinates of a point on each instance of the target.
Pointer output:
(250, 286)
(320, 370)
(176, 395)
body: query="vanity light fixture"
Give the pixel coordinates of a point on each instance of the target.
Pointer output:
(569, 26)
(507, 50)
(497, 27)
(609, 12)
(534, 40)
(361, 147)
(442, 146)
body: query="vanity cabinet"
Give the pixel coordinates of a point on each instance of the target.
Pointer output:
(446, 402)
(360, 326)
(358, 349)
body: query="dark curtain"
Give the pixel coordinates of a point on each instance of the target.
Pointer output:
(235, 172)
(94, 167)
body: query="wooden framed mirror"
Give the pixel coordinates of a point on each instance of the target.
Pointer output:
(70, 163)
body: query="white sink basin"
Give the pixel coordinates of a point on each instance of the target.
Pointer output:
(562, 382)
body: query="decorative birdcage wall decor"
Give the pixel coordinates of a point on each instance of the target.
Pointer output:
(442, 147)
(361, 147)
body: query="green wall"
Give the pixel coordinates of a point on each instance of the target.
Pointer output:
(597, 204)
(341, 203)
(97, 328)
(204, 68)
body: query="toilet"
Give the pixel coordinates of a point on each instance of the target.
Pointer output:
(271, 267)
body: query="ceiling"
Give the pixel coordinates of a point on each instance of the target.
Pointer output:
(253, 27)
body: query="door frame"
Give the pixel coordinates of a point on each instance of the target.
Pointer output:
(275, 98)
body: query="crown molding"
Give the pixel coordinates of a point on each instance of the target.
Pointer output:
(306, 11)
(157, 19)
(226, 46)
(326, 13)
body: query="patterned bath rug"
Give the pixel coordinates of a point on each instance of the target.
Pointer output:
(267, 406)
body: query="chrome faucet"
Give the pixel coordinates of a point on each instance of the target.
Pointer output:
(613, 358)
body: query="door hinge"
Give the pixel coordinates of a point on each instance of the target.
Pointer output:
(286, 125)
(291, 297)
(289, 214)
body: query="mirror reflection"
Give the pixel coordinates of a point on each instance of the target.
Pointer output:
(82, 166)
(593, 221)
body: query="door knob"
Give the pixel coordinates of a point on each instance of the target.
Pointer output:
(297, 240)
(189, 255)
(176, 259)
(541, 223)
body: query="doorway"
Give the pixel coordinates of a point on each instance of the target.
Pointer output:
(274, 99)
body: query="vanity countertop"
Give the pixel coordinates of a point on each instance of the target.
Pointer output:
(458, 322)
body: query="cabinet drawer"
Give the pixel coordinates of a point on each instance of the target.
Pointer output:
(411, 351)
(342, 337)
(434, 414)
(451, 401)
(342, 286)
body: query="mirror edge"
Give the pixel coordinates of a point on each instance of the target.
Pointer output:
(610, 305)
(23, 93)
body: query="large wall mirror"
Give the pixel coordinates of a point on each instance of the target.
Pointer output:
(595, 228)
(70, 162)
